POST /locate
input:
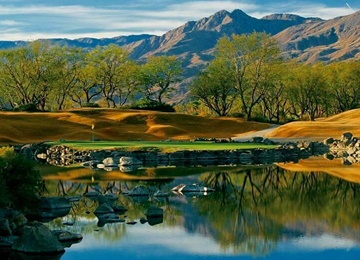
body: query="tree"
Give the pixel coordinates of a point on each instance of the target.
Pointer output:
(111, 64)
(344, 81)
(274, 103)
(28, 74)
(66, 74)
(251, 57)
(307, 93)
(157, 76)
(215, 87)
(86, 85)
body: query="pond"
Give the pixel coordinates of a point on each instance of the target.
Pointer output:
(283, 211)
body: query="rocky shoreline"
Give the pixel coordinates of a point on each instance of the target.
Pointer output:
(110, 159)
(346, 147)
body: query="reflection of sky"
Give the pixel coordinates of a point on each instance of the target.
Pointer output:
(159, 242)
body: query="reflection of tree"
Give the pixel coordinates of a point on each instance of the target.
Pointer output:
(256, 206)
(250, 211)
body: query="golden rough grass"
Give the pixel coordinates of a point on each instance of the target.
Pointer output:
(115, 124)
(320, 164)
(334, 126)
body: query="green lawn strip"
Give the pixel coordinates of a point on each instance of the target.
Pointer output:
(162, 146)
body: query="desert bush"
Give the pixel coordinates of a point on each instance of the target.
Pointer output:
(144, 104)
(19, 180)
(27, 108)
(91, 105)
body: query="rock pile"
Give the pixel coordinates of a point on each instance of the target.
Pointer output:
(31, 237)
(347, 148)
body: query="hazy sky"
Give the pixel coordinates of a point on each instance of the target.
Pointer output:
(33, 19)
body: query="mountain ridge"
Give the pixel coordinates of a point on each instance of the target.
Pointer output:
(304, 39)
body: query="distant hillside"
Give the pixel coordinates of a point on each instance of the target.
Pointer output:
(335, 39)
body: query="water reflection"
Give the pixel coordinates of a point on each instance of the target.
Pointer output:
(255, 211)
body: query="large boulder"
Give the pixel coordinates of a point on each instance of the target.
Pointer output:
(37, 239)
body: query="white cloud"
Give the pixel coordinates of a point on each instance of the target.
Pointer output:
(320, 243)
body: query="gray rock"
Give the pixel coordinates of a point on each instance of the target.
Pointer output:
(92, 194)
(103, 209)
(329, 141)
(160, 193)
(110, 161)
(126, 161)
(257, 139)
(139, 191)
(351, 159)
(129, 168)
(54, 203)
(345, 161)
(329, 156)
(154, 212)
(346, 136)
(18, 220)
(37, 239)
(65, 236)
(351, 150)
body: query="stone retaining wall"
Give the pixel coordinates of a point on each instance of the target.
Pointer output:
(63, 156)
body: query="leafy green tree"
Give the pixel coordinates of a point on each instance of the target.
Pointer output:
(251, 57)
(274, 103)
(86, 86)
(215, 87)
(158, 75)
(28, 74)
(344, 82)
(66, 75)
(307, 91)
(111, 64)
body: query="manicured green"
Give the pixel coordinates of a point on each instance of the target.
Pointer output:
(158, 145)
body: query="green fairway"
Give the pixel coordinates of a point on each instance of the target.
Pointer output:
(158, 145)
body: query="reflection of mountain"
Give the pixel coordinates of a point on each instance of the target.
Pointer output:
(320, 164)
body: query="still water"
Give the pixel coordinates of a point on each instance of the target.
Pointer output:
(287, 211)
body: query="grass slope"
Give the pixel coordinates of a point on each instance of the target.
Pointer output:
(334, 126)
(114, 124)
(160, 145)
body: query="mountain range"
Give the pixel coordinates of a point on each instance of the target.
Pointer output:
(304, 39)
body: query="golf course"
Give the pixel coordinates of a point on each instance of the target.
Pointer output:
(104, 125)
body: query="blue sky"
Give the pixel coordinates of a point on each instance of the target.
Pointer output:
(33, 19)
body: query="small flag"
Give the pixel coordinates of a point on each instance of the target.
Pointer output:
(92, 126)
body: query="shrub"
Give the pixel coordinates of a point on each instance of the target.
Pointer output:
(20, 181)
(91, 105)
(28, 108)
(153, 105)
